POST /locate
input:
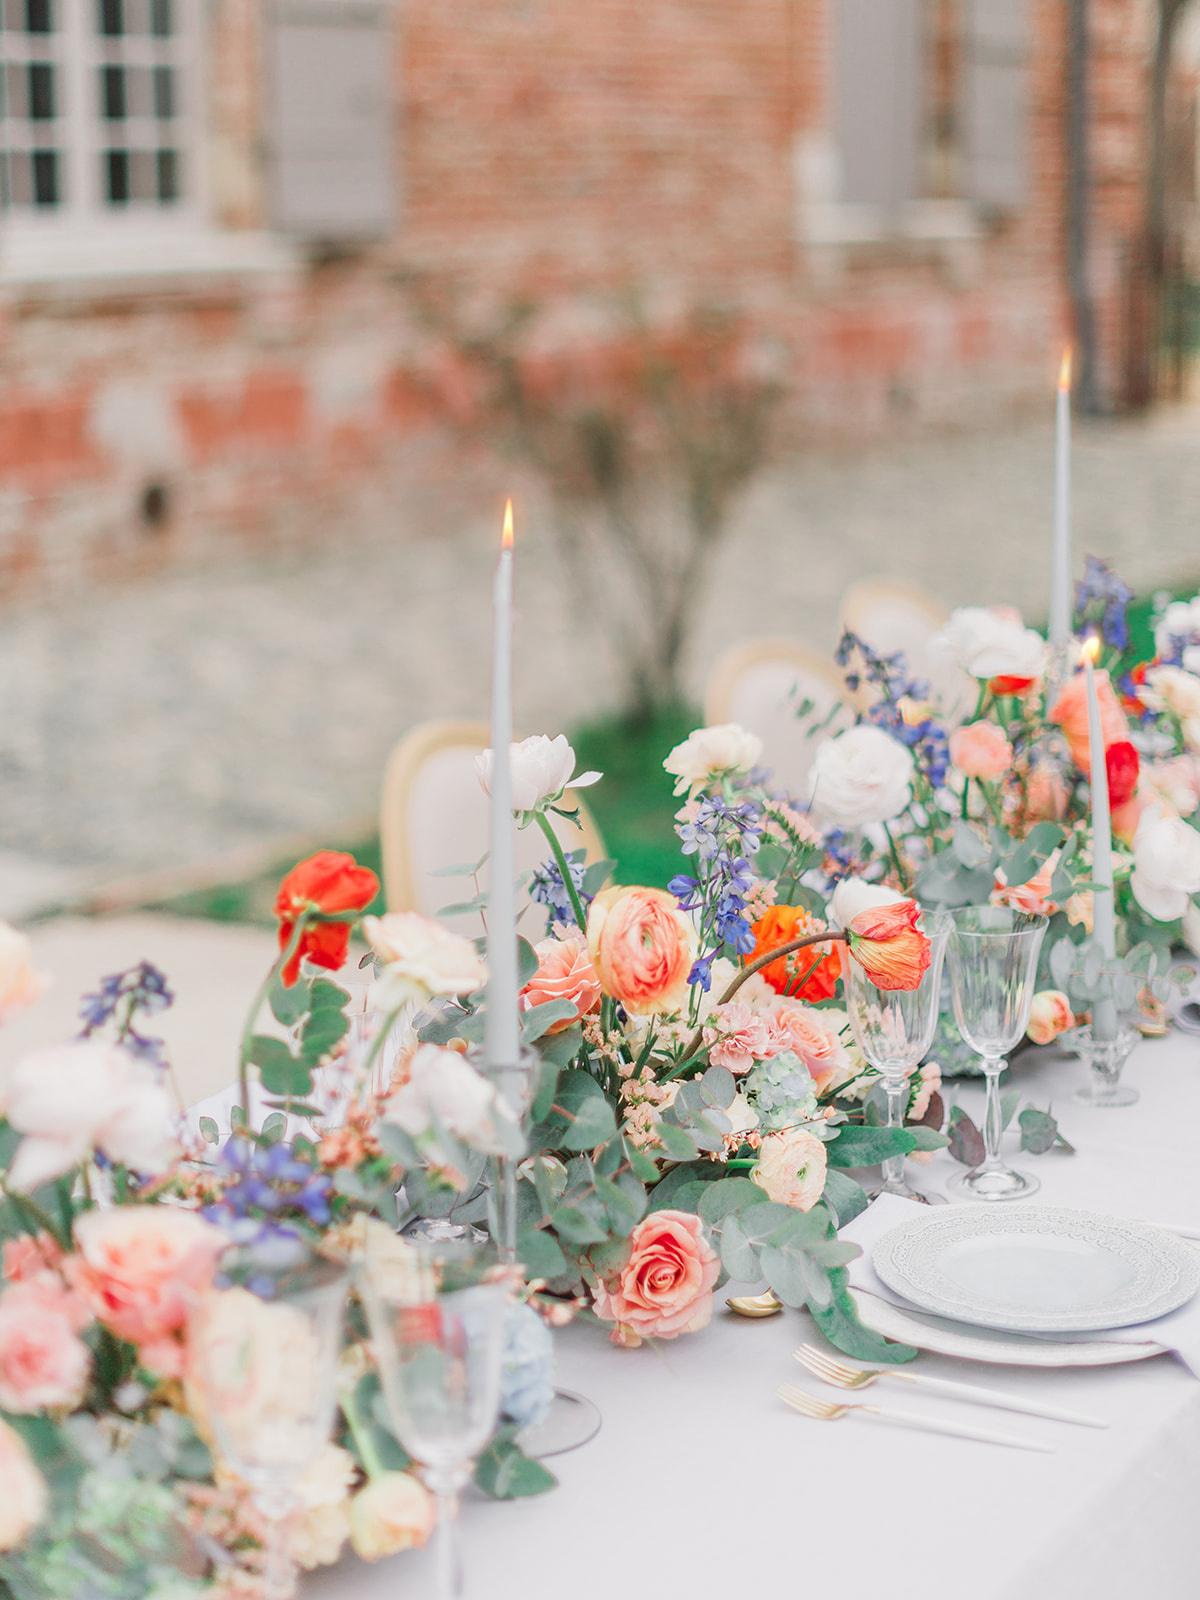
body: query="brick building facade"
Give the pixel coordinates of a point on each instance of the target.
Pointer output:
(211, 209)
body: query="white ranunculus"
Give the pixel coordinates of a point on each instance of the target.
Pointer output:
(1174, 690)
(862, 776)
(444, 1090)
(854, 896)
(1166, 865)
(991, 644)
(421, 958)
(709, 753)
(72, 1099)
(1181, 620)
(542, 770)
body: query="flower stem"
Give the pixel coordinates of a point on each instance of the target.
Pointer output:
(256, 1006)
(369, 1455)
(826, 936)
(896, 862)
(560, 858)
(23, 1204)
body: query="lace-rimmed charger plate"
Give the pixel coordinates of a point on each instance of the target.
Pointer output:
(1037, 1269)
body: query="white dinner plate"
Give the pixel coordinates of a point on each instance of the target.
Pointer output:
(985, 1344)
(1036, 1269)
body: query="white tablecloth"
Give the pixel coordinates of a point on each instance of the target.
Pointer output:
(701, 1483)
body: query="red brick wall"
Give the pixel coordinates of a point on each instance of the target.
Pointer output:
(551, 150)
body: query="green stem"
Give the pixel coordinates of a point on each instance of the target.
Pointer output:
(369, 1455)
(966, 798)
(256, 1006)
(378, 1042)
(826, 936)
(895, 854)
(560, 858)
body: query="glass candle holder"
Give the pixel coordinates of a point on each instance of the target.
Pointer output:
(1105, 1060)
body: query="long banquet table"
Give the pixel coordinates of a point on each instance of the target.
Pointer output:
(702, 1483)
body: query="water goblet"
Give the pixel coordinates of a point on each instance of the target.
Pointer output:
(993, 974)
(894, 1029)
(264, 1354)
(438, 1339)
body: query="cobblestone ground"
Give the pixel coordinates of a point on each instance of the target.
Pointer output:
(183, 716)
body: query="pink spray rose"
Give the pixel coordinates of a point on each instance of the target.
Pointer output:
(43, 1362)
(981, 750)
(665, 1287)
(565, 972)
(138, 1267)
(737, 1036)
(812, 1036)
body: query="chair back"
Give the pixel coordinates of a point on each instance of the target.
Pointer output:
(892, 615)
(763, 686)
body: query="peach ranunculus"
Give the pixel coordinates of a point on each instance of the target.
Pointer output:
(888, 945)
(23, 1503)
(642, 948)
(20, 985)
(981, 750)
(564, 972)
(1033, 896)
(791, 1168)
(43, 1361)
(393, 1512)
(1046, 795)
(779, 925)
(737, 1036)
(813, 1036)
(1070, 711)
(666, 1286)
(137, 1267)
(1049, 1015)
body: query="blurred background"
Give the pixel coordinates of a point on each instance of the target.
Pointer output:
(739, 302)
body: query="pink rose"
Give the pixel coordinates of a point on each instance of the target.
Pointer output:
(814, 1038)
(138, 1268)
(565, 972)
(29, 1256)
(791, 1168)
(1070, 711)
(642, 947)
(981, 750)
(737, 1036)
(1034, 896)
(929, 1084)
(1049, 1015)
(665, 1287)
(43, 1362)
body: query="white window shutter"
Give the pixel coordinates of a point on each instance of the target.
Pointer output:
(998, 41)
(877, 101)
(330, 67)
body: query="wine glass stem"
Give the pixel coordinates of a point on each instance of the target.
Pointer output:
(279, 1576)
(893, 1167)
(993, 1066)
(449, 1562)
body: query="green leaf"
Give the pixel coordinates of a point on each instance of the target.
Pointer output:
(325, 995)
(321, 1032)
(866, 1147)
(643, 1166)
(1009, 1101)
(578, 1224)
(596, 876)
(726, 1196)
(844, 1197)
(591, 1120)
(273, 1128)
(738, 1256)
(281, 1073)
(1039, 1130)
(969, 849)
(966, 1141)
(718, 1088)
(1034, 850)
(288, 1005)
(527, 962)
(540, 1254)
(209, 1131)
(624, 1200)
(679, 1145)
(505, 1472)
(840, 1324)
(540, 1019)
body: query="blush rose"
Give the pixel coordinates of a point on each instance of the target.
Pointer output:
(666, 1286)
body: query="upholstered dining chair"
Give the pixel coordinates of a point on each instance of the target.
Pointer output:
(763, 685)
(892, 615)
(434, 814)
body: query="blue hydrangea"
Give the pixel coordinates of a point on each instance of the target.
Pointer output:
(781, 1091)
(527, 1376)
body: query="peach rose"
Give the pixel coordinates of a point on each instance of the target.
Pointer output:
(565, 972)
(1070, 711)
(1033, 896)
(392, 1512)
(642, 948)
(137, 1267)
(23, 1503)
(737, 1036)
(43, 1362)
(665, 1287)
(1049, 1015)
(814, 1037)
(981, 750)
(20, 985)
(1046, 796)
(791, 1168)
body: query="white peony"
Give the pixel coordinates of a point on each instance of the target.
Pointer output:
(708, 753)
(72, 1099)
(990, 644)
(542, 770)
(862, 776)
(1174, 690)
(1166, 865)
(854, 896)
(444, 1090)
(421, 958)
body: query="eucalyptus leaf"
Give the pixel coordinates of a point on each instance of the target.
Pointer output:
(539, 1019)
(505, 1472)
(839, 1322)
(966, 1141)
(844, 1197)
(209, 1131)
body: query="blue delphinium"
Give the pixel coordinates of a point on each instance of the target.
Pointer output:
(527, 1374)
(722, 834)
(272, 1191)
(119, 1000)
(546, 886)
(1102, 604)
(897, 692)
(781, 1090)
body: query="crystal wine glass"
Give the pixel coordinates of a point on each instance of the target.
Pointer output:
(993, 974)
(894, 1029)
(264, 1355)
(439, 1352)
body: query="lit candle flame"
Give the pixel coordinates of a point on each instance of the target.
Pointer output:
(1064, 371)
(1089, 650)
(506, 538)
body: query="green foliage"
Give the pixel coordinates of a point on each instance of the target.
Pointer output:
(505, 1472)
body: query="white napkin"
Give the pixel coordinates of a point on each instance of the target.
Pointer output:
(1178, 1331)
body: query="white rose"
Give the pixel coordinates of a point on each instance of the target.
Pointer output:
(1166, 865)
(1181, 620)
(542, 770)
(854, 896)
(1174, 690)
(709, 753)
(24, 1501)
(421, 958)
(861, 777)
(991, 644)
(72, 1099)
(1174, 783)
(444, 1089)
(20, 985)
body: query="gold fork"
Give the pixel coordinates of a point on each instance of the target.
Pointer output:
(843, 1376)
(832, 1411)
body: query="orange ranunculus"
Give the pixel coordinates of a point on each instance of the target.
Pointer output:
(888, 945)
(326, 884)
(780, 925)
(1070, 711)
(642, 948)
